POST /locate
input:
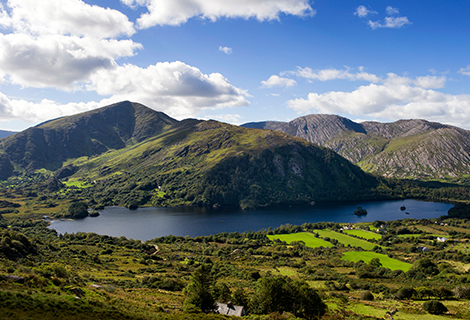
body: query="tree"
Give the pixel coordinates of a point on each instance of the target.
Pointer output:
(221, 292)
(425, 266)
(375, 262)
(306, 301)
(281, 294)
(77, 210)
(198, 292)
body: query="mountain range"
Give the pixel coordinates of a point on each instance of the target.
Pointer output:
(412, 149)
(131, 155)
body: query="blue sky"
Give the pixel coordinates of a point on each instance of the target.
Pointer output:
(236, 61)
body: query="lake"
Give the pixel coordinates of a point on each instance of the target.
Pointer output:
(149, 223)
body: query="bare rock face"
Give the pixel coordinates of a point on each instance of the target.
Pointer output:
(415, 149)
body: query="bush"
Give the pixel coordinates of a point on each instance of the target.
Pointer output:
(367, 295)
(434, 307)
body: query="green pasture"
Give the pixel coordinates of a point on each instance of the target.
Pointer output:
(77, 184)
(367, 256)
(346, 240)
(308, 238)
(363, 234)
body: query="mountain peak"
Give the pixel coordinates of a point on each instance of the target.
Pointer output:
(90, 133)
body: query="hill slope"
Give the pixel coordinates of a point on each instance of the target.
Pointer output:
(50, 144)
(212, 163)
(415, 149)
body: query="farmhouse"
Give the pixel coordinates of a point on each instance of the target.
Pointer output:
(441, 239)
(230, 310)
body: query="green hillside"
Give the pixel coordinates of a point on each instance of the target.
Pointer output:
(212, 163)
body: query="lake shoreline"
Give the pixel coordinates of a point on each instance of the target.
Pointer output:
(149, 222)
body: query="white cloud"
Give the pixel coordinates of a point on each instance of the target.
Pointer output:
(173, 87)
(225, 50)
(56, 43)
(465, 71)
(392, 11)
(46, 45)
(390, 22)
(363, 12)
(276, 81)
(57, 61)
(177, 12)
(397, 98)
(334, 74)
(40, 111)
(430, 82)
(67, 17)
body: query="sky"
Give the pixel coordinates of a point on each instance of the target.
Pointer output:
(236, 61)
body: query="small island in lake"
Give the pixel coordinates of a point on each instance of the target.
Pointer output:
(360, 211)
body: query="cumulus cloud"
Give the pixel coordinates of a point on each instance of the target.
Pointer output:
(177, 12)
(173, 87)
(396, 98)
(363, 12)
(276, 81)
(35, 112)
(225, 50)
(70, 45)
(57, 61)
(55, 43)
(390, 22)
(71, 17)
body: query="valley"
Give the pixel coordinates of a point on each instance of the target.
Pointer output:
(130, 156)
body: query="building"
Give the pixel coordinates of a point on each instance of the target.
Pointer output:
(230, 310)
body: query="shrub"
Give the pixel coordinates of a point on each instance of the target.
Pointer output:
(434, 307)
(367, 295)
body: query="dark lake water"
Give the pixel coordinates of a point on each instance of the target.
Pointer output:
(149, 223)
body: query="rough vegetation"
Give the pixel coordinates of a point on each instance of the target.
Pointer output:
(85, 276)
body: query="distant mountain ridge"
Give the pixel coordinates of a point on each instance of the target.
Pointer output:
(416, 149)
(6, 133)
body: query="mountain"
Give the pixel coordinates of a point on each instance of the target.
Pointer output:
(213, 163)
(132, 155)
(51, 143)
(415, 149)
(5, 133)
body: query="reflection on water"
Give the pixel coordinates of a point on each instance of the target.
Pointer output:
(150, 223)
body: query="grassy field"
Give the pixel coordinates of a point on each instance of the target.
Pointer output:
(367, 256)
(363, 234)
(346, 240)
(308, 238)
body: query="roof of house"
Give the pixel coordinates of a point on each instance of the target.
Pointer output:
(230, 310)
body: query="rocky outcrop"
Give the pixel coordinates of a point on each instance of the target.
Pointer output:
(416, 149)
